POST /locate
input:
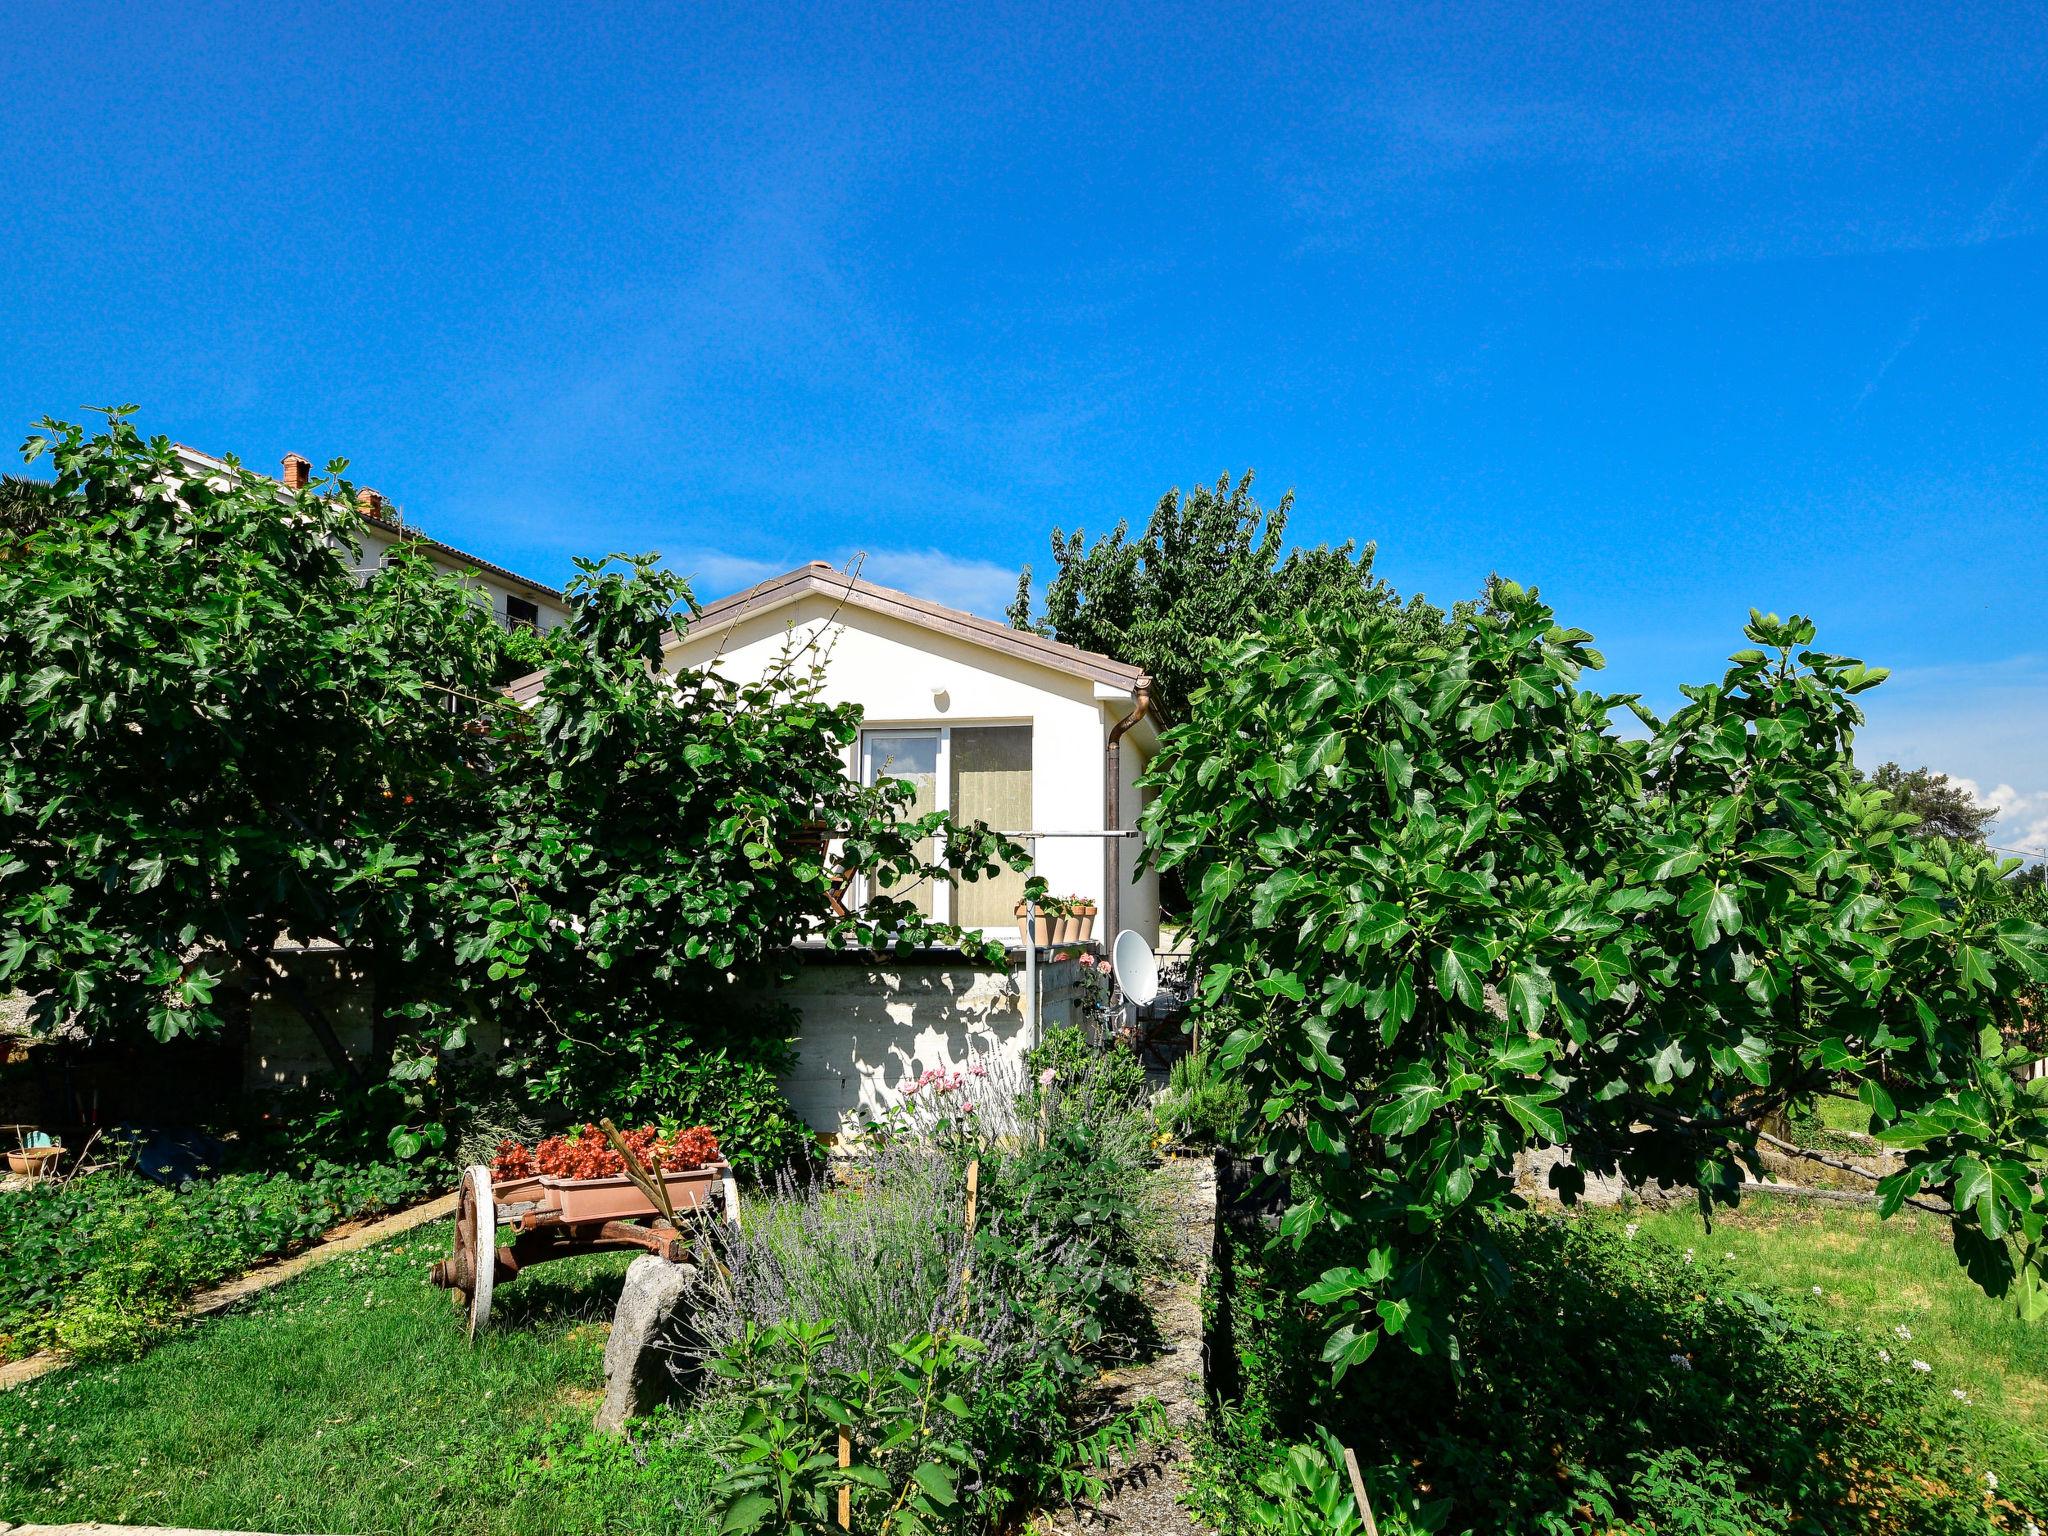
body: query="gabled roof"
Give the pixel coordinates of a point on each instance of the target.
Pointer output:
(399, 530)
(823, 580)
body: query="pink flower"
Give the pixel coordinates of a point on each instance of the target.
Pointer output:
(1045, 1078)
(967, 1106)
(979, 1071)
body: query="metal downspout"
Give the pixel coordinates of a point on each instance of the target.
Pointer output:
(1112, 820)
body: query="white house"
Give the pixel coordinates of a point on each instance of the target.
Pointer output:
(1038, 739)
(991, 723)
(515, 599)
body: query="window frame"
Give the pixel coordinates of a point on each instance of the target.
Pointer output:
(863, 768)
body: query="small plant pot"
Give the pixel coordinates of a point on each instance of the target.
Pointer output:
(1081, 925)
(617, 1199)
(35, 1162)
(1042, 930)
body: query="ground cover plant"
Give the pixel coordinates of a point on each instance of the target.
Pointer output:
(1895, 1280)
(1631, 1384)
(97, 1265)
(350, 1400)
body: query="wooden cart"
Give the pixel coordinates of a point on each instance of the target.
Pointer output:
(541, 1232)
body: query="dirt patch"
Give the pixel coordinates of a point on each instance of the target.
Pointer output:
(1144, 1492)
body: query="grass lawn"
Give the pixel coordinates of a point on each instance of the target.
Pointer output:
(350, 1401)
(1884, 1276)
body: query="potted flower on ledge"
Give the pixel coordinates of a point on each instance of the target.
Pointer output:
(585, 1178)
(1059, 920)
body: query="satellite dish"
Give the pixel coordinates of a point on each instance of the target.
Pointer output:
(1136, 967)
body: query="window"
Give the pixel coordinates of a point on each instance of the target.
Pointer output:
(520, 613)
(976, 773)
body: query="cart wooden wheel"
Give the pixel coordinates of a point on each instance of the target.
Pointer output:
(474, 1264)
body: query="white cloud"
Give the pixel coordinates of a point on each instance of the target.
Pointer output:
(714, 574)
(979, 586)
(2022, 825)
(1979, 723)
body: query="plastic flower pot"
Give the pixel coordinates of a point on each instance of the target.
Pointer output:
(518, 1191)
(616, 1199)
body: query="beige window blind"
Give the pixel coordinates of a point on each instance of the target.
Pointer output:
(991, 782)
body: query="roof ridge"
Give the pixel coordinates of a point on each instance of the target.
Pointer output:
(817, 575)
(391, 525)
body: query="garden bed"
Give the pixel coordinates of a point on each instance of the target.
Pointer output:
(101, 1264)
(1635, 1376)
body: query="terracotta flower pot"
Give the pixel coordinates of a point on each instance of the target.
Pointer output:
(618, 1198)
(35, 1162)
(1043, 929)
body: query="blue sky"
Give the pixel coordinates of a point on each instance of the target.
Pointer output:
(1669, 311)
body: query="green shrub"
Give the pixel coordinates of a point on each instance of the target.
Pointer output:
(736, 1088)
(98, 1264)
(1617, 1383)
(1201, 1107)
(859, 1286)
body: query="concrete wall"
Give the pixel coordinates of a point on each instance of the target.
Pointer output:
(906, 675)
(282, 1053)
(867, 1030)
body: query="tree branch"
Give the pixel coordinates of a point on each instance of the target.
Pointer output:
(1940, 1208)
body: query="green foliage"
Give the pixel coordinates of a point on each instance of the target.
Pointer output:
(1444, 913)
(1208, 569)
(1305, 1492)
(824, 1292)
(1202, 1107)
(1940, 807)
(214, 736)
(25, 506)
(1631, 1386)
(735, 1085)
(654, 1474)
(99, 1264)
(902, 1423)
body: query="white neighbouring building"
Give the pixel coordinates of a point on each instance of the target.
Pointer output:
(516, 600)
(1037, 739)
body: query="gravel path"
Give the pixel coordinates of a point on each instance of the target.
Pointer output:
(1144, 1494)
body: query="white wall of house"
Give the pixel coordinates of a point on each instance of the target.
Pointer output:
(867, 1030)
(907, 675)
(374, 540)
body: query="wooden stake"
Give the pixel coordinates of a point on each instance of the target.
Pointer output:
(845, 1491)
(1358, 1493)
(967, 1249)
(650, 1184)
